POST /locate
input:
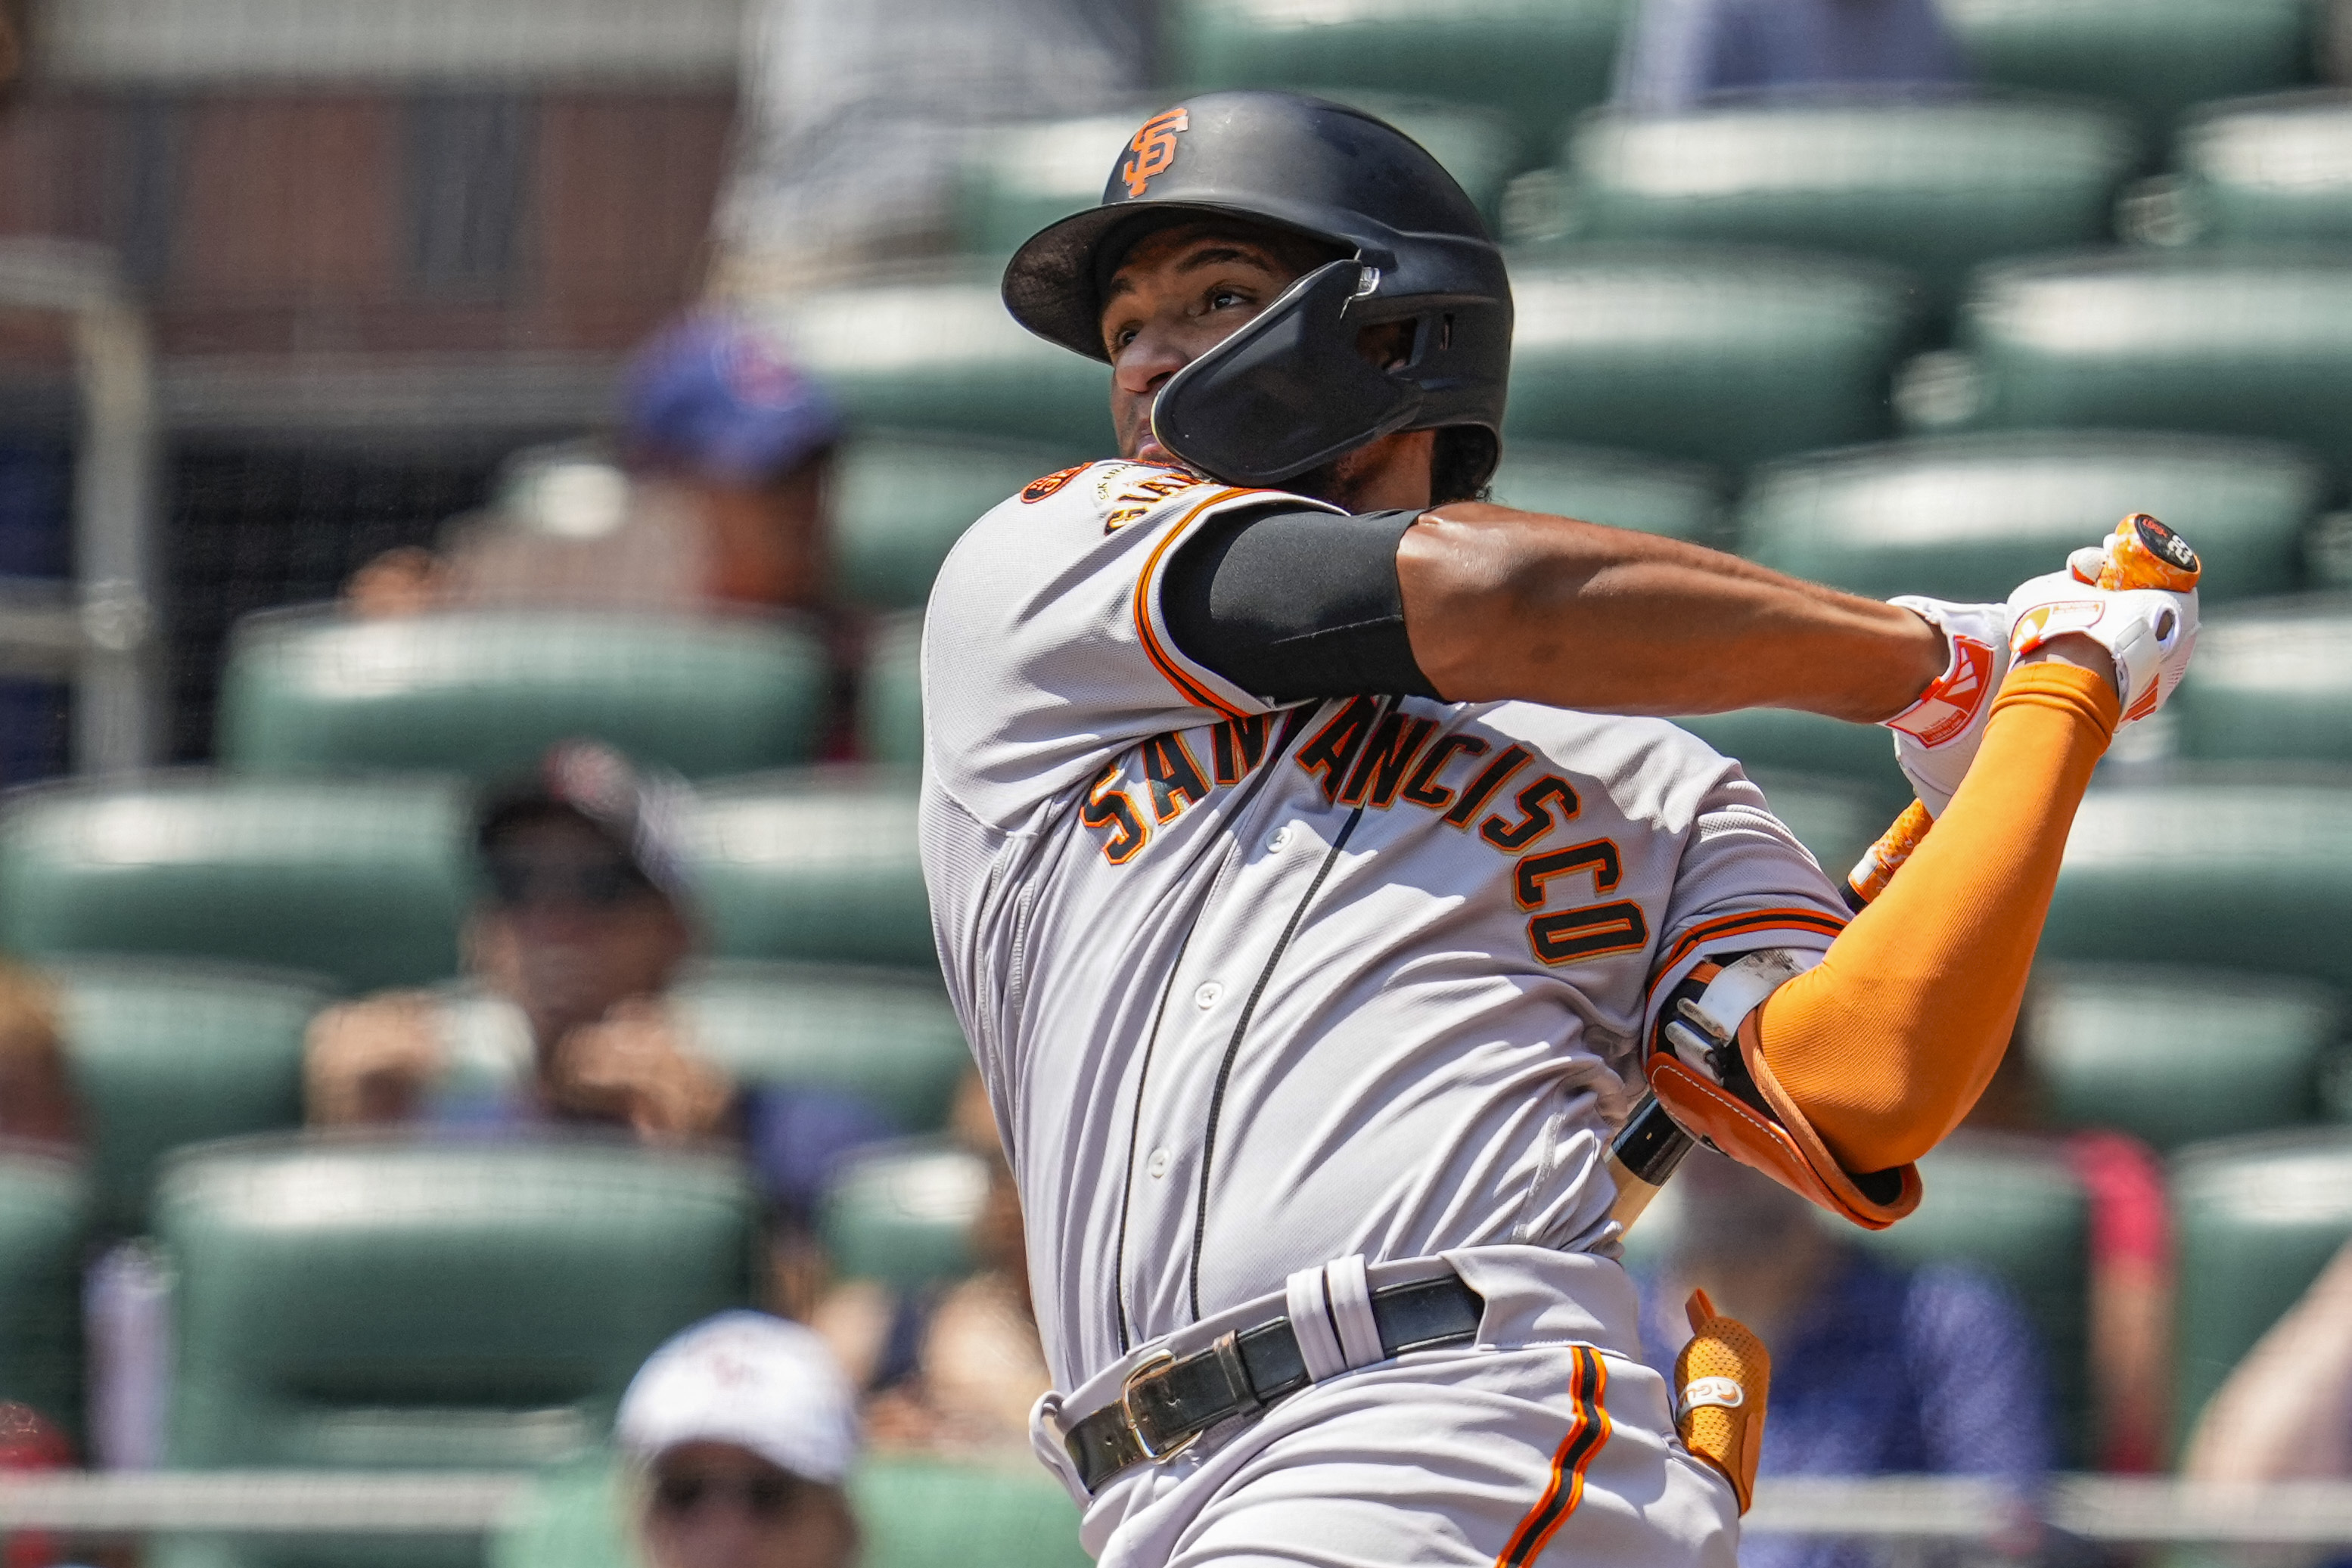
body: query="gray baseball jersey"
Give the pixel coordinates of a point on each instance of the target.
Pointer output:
(1255, 986)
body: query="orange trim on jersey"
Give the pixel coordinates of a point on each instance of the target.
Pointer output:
(1191, 690)
(1819, 920)
(1588, 1433)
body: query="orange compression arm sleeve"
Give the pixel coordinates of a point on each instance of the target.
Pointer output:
(1886, 1043)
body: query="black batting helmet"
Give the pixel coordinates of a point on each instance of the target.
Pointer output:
(1290, 390)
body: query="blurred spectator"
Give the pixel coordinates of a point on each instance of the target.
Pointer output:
(584, 925)
(37, 1101)
(1875, 1371)
(2130, 1261)
(28, 1441)
(954, 1367)
(719, 500)
(2285, 1413)
(743, 1428)
(858, 117)
(1679, 53)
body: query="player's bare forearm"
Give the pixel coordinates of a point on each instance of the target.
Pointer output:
(1502, 603)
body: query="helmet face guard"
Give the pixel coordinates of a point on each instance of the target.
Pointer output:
(1290, 390)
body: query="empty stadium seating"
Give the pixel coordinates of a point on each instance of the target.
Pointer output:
(941, 354)
(1716, 354)
(1970, 518)
(900, 500)
(2271, 680)
(2172, 1055)
(165, 1052)
(372, 1303)
(1622, 489)
(1836, 819)
(2268, 171)
(486, 693)
(891, 693)
(2219, 341)
(362, 881)
(2225, 871)
(818, 864)
(1777, 741)
(1933, 185)
(44, 1204)
(883, 1034)
(902, 1213)
(2255, 1219)
(1538, 61)
(2156, 56)
(1018, 179)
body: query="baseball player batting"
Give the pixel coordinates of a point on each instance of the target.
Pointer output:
(1314, 920)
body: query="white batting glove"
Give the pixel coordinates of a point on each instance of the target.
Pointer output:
(2149, 632)
(1936, 737)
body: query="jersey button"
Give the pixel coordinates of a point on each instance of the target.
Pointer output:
(1280, 841)
(1208, 995)
(1158, 1166)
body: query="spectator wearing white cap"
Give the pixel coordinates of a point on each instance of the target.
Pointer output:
(743, 1428)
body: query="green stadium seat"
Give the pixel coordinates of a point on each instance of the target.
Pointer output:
(2255, 1219)
(1537, 61)
(912, 1512)
(884, 1034)
(2172, 1055)
(1622, 489)
(364, 881)
(1970, 518)
(2156, 56)
(1715, 354)
(1836, 819)
(2268, 171)
(486, 693)
(1018, 179)
(891, 699)
(1934, 186)
(165, 1052)
(2221, 342)
(2271, 680)
(1772, 741)
(2224, 870)
(941, 354)
(474, 1304)
(818, 864)
(44, 1208)
(903, 1213)
(902, 499)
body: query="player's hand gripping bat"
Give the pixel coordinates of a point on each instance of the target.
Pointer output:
(1650, 1145)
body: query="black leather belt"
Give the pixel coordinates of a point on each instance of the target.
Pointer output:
(1169, 1402)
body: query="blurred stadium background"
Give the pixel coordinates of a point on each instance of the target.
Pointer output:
(287, 284)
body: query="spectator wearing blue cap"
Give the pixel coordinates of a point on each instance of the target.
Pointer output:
(717, 500)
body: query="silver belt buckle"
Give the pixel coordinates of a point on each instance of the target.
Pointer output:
(1157, 1362)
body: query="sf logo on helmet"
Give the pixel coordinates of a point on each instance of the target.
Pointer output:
(1155, 149)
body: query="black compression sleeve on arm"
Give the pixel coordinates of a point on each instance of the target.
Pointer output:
(1296, 604)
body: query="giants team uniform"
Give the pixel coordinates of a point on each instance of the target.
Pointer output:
(1257, 988)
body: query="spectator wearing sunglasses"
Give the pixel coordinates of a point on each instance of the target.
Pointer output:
(583, 923)
(740, 1432)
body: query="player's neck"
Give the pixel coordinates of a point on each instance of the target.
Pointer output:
(1390, 473)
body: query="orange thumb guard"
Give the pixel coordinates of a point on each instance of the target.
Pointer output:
(1722, 1380)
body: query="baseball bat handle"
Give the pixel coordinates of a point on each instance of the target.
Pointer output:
(2141, 553)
